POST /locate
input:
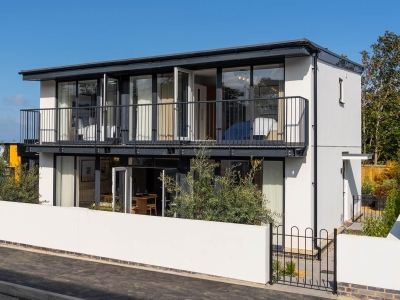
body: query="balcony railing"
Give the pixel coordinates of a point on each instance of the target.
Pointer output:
(277, 122)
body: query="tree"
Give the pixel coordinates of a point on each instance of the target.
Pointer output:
(232, 198)
(381, 98)
(21, 185)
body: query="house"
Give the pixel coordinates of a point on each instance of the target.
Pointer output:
(16, 155)
(105, 131)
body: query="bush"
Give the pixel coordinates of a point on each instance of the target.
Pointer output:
(277, 271)
(232, 198)
(290, 269)
(367, 186)
(22, 186)
(381, 226)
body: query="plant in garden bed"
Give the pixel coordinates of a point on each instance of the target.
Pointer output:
(380, 226)
(232, 198)
(277, 271)
(290, 269)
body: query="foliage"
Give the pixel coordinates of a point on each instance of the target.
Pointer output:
(381, 98)
(232, 198)
(290, 269)
(22, 186)
(381, 226)
(277, 270)
(368, 187)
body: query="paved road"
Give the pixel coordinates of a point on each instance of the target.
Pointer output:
(92, 280)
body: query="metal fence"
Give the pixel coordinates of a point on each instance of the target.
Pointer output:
(303, 260)
(365, 206)
(259, 122)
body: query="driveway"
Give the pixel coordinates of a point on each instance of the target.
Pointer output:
(94, 280)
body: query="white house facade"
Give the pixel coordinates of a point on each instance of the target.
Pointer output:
(105, 131)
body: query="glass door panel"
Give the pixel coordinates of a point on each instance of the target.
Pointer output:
(183, 87)
(110, 112)
(122, 189)
(166, 198)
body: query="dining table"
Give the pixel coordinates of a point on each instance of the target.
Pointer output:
(141, 203)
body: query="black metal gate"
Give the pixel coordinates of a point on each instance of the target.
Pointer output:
(303, 260)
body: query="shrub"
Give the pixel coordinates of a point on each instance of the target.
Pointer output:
(232, 198)
(381, 226)
(290, 269)
(367, 186)
(277, 270)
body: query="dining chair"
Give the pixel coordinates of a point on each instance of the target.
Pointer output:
(152, 204)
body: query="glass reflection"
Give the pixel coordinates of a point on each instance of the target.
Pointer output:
(140, 117)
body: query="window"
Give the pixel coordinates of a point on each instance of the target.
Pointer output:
(341, 100)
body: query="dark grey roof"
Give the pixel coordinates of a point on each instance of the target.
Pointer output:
(290, 48)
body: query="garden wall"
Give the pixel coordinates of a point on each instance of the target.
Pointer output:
(219, 249)
(368, 266)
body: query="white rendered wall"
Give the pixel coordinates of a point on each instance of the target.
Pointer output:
(298, 171)
(47, 117)
(339, 130)
(370, 261)
(46, 173)
(220, 249)
(46, 160)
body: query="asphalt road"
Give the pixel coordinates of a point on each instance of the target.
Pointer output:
(92, 280)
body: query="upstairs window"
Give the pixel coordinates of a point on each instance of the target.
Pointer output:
(341, 100)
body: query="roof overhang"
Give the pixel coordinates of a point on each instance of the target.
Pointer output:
(195, 60)
(350, 156)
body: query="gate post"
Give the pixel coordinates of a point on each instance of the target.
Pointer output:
(335, 261)
(270, 254)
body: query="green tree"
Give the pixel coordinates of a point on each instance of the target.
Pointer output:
(21, 185)
(232, 198)
(381, 98)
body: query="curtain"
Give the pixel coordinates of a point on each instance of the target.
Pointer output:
(65, 181)
(273, 190)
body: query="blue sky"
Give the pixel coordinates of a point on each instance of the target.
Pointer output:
(39, 34)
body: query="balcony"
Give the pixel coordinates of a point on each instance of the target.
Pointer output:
(275, 123)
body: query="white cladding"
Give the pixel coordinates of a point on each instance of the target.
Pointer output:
(46, 172)
(46, 160)
(298, 171)
(339, 130)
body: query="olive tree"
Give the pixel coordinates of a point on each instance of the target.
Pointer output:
(232, 198)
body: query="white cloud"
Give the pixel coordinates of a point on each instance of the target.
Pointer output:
(17, 100)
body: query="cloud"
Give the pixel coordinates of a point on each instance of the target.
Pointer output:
(17, 100)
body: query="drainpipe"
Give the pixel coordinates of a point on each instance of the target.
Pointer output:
(315, 58)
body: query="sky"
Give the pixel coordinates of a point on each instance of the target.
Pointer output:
(40, 34)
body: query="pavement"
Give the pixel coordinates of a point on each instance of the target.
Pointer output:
(88, 279)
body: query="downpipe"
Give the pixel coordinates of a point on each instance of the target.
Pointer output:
(315, 63)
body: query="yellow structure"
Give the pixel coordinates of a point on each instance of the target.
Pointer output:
(15, 160)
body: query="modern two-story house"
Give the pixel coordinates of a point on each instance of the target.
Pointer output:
(106, 131)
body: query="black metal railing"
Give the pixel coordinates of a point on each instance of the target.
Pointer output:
(365, 206)
(259, 122)
(303, 260)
